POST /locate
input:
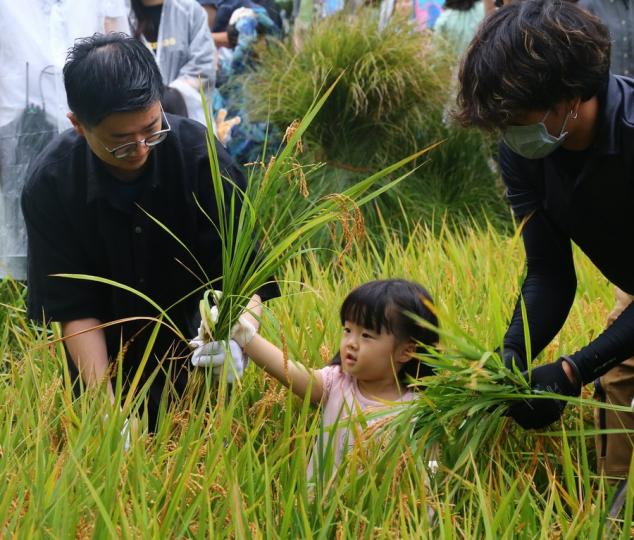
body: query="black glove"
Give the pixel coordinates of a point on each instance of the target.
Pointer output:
(538, 413)
(510, 357)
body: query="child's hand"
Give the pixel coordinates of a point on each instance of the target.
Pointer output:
(243, 331)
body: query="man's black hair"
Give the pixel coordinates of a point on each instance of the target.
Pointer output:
(106, 74)
(389, 305)
(529, 56)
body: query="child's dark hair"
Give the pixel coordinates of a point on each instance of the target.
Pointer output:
(387, 304)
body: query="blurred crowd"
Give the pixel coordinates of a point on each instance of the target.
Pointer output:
(200, 47)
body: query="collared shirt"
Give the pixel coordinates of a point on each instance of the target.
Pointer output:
(618, 15)
(587, 198)
(81, 220)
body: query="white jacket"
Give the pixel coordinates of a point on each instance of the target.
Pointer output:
(186, 54)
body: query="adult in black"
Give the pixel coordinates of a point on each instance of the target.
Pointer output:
(87, 204)
(538, 72)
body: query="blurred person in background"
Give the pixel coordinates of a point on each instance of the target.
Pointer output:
(459, 21)
(219, 13)
(211, 7)
(176, 31)
(247, 32)
(34, 38)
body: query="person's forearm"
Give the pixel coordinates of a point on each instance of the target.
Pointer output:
(547, 303)
(296, 376)
(87, 347)
(609, 349)
(547, 292)
(221, 39)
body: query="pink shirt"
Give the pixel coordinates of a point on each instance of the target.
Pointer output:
(343, 400)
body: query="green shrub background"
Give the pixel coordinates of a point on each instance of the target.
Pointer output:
(394, 96)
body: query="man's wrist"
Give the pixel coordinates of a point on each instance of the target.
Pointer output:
(571, 370)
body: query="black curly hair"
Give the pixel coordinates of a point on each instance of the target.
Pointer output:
(529, 56)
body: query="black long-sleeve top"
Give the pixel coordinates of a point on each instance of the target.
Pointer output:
(582, 197)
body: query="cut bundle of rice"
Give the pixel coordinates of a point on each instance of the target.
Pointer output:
(280, 188)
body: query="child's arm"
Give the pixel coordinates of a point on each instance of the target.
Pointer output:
(296, 376)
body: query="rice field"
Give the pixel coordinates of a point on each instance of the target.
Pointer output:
(233, 465)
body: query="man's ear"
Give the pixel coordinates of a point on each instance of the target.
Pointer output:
(76, 124)
(574, 107)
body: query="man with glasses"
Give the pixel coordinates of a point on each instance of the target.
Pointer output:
(92, 204)
(538, 72)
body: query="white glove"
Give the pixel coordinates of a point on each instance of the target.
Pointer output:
(206, 326)
(243, 331)
(125, 432)
(214, 353)
(208, 353)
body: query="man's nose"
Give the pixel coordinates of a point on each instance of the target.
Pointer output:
(141, 149)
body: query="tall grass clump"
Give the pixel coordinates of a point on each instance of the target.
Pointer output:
(391, 99)
(392, 83)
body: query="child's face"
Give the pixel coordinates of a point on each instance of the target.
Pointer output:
(370, 356)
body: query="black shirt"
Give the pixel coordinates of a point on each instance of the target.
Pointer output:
(152, 15)
(80, 220)
(587, 198)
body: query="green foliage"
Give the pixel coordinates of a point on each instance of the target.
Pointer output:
(392, 97)
(236, 468)
(391, 86)
(278, 214)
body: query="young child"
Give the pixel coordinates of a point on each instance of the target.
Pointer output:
(374, 362)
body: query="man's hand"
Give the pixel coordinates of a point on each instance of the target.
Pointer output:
(512, 359)
(539, 413)
(214, 353)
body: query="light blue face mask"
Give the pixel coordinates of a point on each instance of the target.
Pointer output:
(534, 141)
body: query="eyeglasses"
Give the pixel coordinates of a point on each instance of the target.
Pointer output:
(124, 150)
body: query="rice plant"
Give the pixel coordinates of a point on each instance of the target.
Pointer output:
(278, 214)
(237, 469)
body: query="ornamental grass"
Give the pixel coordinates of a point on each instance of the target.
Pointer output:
(394, 91)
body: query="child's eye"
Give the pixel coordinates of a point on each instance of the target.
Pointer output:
(346, 330)
(367, 335)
